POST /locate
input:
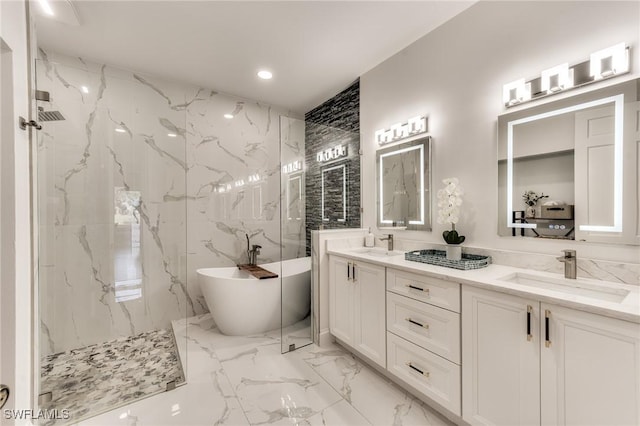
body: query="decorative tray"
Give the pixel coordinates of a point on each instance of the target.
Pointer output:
(439, 258)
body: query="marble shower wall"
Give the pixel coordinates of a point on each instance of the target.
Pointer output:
(126, 217)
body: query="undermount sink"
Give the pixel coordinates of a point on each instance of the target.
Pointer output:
(378, 251)
(577, 287)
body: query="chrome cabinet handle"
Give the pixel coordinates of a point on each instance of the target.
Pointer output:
(412, 321)
(414, 368)
(529, 311)
(413, 287)
(353, 271)
(348, 271)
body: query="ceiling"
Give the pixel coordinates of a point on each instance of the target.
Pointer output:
(315, 49)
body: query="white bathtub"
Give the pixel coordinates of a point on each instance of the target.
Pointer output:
(242, 305)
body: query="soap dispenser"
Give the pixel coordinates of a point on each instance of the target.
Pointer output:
(369, 240)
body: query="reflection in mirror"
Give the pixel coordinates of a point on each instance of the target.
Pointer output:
(562, 172)
(334, 194)
(294, 197)
(404, 182)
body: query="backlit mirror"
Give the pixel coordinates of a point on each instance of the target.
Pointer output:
(403, 185)
(334, 193)
(568, 169)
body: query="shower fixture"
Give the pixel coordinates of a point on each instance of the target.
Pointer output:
(49, 115)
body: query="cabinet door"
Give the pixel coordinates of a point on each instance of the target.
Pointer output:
(500, 359)
(590, 369)
(341, 299)
(370, 316)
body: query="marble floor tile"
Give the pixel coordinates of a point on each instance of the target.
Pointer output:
(246, 380)
(377, 398)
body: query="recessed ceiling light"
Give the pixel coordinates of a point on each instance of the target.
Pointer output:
(46, 7)
(228, 116)
(120, 130)
(265, 75)
(85, 89)
(171, 135)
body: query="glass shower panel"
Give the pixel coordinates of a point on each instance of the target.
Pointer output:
(296, 265)
(111, 211)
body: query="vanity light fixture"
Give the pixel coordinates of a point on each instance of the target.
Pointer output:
(605, 63)
(609, 62)
(120, 130)
(413, 126)
(331, 154)
(46, 7)
(516, 92)
(171, 135)
(556, 79)
(292, 167)
(228, 116)
(265, 75)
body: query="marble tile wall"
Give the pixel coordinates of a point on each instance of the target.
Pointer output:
(126, 217)
(334, 123)
(619, 272)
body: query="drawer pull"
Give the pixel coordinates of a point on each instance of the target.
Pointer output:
(413, 287)
(414, 368)
(529, 311)
(417, 323)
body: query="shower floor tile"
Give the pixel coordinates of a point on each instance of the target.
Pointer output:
(246, 380)
(96, 378)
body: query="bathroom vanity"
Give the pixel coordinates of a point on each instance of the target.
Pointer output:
(498, 345)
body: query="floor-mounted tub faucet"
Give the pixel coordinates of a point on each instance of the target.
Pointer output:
(253, 252)
(570, 261)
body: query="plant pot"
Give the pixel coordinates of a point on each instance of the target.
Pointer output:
(454, 252)
(531, 212)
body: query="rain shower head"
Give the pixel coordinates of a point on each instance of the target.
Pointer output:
(50, 115)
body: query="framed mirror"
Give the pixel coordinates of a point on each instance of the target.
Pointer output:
(568, 169)
(334, 193)
(404, 185)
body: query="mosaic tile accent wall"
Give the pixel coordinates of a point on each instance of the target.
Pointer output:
(334, 123)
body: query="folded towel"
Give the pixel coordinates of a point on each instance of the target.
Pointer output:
(554, 203)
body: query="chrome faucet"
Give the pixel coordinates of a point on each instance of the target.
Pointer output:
(252, 254)
(570, 263)
(389, 239)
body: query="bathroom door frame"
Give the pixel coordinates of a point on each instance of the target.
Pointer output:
(16, 232)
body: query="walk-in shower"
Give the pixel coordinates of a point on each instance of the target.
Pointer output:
(139, 182)
(111, 213)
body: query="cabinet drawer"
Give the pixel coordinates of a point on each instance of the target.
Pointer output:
(435, 291)
(431, 375)
(433, 328)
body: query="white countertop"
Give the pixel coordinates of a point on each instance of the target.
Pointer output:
(490, 279)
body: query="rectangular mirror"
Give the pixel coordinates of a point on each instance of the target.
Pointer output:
(294, 197)
(404, 184)
(334, 194)
(567, 169)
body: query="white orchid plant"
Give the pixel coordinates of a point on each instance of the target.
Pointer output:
(449, 202)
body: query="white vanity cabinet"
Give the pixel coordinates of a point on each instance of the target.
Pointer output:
(423, 335)
(590, 369)
(531, 363)
(357, 306)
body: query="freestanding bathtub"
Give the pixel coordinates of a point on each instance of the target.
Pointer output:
(242, 305)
